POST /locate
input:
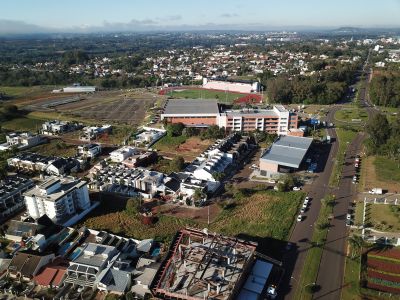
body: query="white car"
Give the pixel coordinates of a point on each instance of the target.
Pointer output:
(299, 218)
(304, 205)
(356, 165)
(302, 210)
(296, 188)
(306, 200)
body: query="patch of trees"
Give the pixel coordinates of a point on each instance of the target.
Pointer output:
(8, 112)
(384, 138)
(384, 90)
(327, 87)
(74, 57)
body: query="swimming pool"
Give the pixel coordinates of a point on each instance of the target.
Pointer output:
(75, 254)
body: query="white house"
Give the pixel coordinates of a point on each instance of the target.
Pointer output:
(89, 150)
(123, 153)
(58, 198)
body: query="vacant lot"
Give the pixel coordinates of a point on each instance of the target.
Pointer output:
(55, 147)
(259, 215)
(23, 92)
(188, 148)
(384, 217)
(224, 97)
(377, 171)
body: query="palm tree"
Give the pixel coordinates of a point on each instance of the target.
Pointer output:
(357, 243)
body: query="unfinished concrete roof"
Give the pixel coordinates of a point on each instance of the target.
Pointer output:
(191, 107)
(288, 151)
(201, 265)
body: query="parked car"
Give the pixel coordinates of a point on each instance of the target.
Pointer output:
(306, 200)
(349, 222)
(296, 188)
(304, 205)
(348, 217)
(299, 218)
(376, 191)
(302, 210)
(356, 165)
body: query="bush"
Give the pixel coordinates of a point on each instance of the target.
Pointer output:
(175, 129)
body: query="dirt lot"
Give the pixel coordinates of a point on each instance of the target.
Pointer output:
(189, 150)
(196, 214)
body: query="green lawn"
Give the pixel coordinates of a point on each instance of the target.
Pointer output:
(351, 281)
(387, 169)
(359, 212)
(384, 217)
(206, 94)
(22, 91)
(345, 136)
(169, 143)
(23, 124)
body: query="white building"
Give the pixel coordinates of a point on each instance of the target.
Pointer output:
(123, 153)
(58, 198)
(22, 140)
(90, 150)
(232, 86)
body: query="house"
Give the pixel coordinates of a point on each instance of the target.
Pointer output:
(145, 271)
(85, 269)
(59, 198)
(89, 150)
(122, 154)
(114, 280)
(56, 127)
(141, 159)
(23, 140)
(93, 132)
(52, 274)
(25, 265)
(61, 166)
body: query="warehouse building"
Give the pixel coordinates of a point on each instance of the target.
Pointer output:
(284, 156)
(204, 113)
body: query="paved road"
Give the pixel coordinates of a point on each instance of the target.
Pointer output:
(302, 233)
(331, 271)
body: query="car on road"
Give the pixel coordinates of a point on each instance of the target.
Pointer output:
(306, 200)
(348, 217)
(357, 160)
(299, 218)
(349, 222)
(302, 210)
(305, 205)
(296, 188)
(356, 165)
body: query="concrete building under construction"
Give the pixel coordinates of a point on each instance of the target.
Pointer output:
(201, 265)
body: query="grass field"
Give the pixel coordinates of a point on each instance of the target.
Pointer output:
(169, 143)
(27, 123)
(55, 148)
(351, 281)
(205, 94)
(387, 169)
(23, 91)
(348, 115)
(345, 136)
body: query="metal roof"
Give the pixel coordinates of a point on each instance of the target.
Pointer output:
(191, 106)
(288, 151)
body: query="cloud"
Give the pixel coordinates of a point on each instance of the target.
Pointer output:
(227, 15)
(170, 18)
(20, 27)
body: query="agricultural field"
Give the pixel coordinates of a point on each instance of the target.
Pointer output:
(383, 270)
(23, 92)
(223, 97)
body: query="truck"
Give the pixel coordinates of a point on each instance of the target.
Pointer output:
(376, 191)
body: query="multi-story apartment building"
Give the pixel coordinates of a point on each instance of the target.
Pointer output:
(204, 113)
(58, 198)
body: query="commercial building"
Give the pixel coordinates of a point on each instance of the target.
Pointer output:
(202, 265)
(11, 199)
(239, 86)
(59, 198)
(284, 156)
(76, 88)
(204, 113)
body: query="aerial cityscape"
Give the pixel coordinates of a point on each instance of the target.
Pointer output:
(222, 150)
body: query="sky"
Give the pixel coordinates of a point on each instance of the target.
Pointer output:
(26, 16)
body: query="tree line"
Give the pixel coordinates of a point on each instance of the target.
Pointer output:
(384, 89)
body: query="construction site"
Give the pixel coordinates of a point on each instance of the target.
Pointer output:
(201, 265)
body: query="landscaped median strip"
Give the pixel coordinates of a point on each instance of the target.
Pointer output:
(306, 284)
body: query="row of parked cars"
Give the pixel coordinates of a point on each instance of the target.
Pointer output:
(303, 209)
(357, 162)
